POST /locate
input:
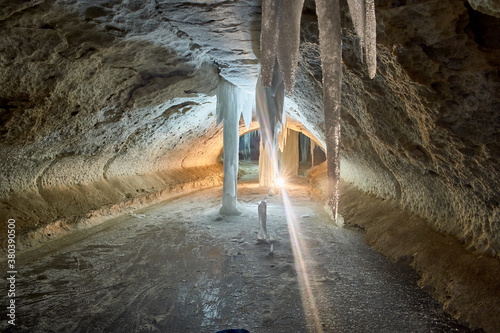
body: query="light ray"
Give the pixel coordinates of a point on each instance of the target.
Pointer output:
(301, 256)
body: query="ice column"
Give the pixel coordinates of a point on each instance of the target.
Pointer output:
(231, 103)
(290, 162)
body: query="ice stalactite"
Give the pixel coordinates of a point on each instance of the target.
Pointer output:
(280, 39)
(358, 16)
(232, 102)
(287, 19)
(330, 38)
(304, 143)
(271, 117)
(371, 38)
(289, 166)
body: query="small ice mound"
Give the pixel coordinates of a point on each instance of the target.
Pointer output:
(271, 249)
(339, 221)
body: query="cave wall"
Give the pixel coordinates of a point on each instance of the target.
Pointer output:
(105, 101)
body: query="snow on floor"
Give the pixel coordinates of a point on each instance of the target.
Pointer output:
(179, 266)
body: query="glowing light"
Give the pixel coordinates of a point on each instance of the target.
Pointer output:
(280, 182)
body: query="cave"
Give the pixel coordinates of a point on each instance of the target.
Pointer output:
(128, 205)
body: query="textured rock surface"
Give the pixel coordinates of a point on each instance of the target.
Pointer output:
(490, 7)
(107, 101)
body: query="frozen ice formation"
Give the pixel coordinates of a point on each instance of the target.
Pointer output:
(232, 102)
(280, 38)
(290, 154)
(304, 143)
(262, 235)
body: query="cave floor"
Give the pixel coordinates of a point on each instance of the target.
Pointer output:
(179, 266)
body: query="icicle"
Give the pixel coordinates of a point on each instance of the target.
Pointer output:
(357, 11)
(331, 62)
(271, 14)
(269, 109)
(371, 38)
(288, 42)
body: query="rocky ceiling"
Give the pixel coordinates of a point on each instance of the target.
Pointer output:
(103, 102)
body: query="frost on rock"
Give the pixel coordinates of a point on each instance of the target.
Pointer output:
(331, 62)
(231, 103)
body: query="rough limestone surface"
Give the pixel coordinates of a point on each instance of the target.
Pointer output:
(108, 102)
(490, 7)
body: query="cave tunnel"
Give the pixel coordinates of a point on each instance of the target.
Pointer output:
(114, 116)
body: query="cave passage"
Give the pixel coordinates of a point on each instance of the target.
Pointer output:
(180, 266)
(308, 154)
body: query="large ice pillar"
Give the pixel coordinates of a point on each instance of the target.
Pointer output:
(289, 166)
(231, 103)
(330, 38)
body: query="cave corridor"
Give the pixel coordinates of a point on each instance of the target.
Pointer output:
(114, 117)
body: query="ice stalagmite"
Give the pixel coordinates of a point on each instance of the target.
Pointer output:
(231, 103)
(371, 38)
(330, 38)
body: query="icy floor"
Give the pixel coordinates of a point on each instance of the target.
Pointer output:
(181, 267)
